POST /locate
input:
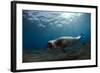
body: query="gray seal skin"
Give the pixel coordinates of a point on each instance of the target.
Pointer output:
(63, 42)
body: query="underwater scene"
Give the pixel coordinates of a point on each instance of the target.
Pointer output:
(55, 36)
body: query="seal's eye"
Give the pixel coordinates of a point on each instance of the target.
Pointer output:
(50, 45)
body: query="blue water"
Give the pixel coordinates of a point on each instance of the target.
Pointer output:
(41, 26)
